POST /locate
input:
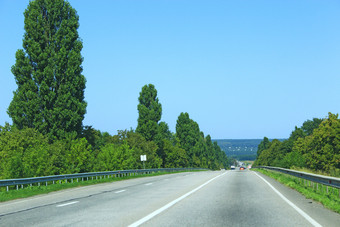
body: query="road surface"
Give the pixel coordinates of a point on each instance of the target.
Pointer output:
(210, 198)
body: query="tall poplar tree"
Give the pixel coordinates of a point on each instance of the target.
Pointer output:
(150, 112)
(48, 71)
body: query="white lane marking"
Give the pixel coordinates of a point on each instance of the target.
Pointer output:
(148, 184)
(66, 204)
(301, 212)
(160, 210)
(120, 191)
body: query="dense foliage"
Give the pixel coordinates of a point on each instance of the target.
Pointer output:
(150, 112)
(316, 146)
(27, 152)
(202, 152)
(50, 93)
(47, 136)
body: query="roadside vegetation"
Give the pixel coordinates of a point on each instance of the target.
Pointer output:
(314, 147)
(327, 196)
(48, 137)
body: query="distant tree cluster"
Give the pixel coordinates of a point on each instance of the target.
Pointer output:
(27, 152)
(316, 145)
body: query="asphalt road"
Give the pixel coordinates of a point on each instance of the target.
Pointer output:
(212, 198)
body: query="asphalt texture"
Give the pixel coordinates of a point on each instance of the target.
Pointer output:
(210, 198)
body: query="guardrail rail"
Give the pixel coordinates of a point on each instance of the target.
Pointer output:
(82, 176)
(320, 179)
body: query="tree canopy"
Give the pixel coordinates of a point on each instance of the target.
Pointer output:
(48, 71)
(150, 112)
(316, 145)
(47, 136)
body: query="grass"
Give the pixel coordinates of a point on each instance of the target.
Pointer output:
(327, 196)
(29, 191)
(332, 172)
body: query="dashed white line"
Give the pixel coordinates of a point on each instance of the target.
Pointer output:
(66, 204)
(148, 184)
(160, 210)
(120, 191)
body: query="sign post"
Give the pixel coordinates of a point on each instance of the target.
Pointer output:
(143, 159)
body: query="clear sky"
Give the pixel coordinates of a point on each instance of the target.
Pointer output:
(241, 69)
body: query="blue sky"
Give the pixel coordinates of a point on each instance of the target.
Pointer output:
(241, 69)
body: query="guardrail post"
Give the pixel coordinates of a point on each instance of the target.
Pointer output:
(17, 187)
(7, 188)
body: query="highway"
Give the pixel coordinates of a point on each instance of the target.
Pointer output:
(209, 198)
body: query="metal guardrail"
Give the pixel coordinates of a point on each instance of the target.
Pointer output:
(82, 176)
(325, 180)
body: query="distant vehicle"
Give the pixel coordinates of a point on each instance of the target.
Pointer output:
(242, 168)
(232, 167)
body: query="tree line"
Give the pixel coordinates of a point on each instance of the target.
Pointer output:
(47, 136)
(315, 145)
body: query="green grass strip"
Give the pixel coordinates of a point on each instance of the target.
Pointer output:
(310, 190)
(29, 191)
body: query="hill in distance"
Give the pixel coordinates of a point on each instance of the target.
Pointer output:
(240, 149)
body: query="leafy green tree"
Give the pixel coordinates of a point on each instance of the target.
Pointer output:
(309, 126)
(187, 131)
(150, 112)
(48, 71)
(24, 153)
(143, 147)
(140, 146)
(175, 157)
(293, 159)
(116, 157)
(96, 138)
(322, 149)
(78, 156)
(211, 155)
(162, 135)
(268, 156)
(265, 144)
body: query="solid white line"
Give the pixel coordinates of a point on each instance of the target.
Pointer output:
(120, 191)
(301, 212)
(66, 204)
(148, 184)
(160, 210)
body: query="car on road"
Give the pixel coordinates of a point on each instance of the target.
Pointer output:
(242, 168)
(232, 167)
